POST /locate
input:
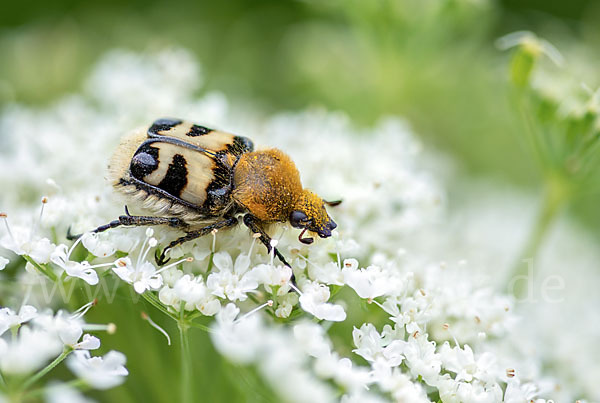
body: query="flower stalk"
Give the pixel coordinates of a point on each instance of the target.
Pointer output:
(557, 194)
(42, 268)
(67, 350)
(186, 358)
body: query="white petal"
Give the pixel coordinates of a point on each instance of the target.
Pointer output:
(242, 263)
(59, 256)
(222, 261)
(324, 310)
(83, 271)
(89, 342)
(26, 313)
(140, 287)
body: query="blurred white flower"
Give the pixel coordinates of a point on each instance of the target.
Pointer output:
(531, 43)
(30, 351)
(516, 392)
(23, 241)
(64, 393)
(99, 372)
(3, 262)
(20, 241)
(9, 319)
(69, 328)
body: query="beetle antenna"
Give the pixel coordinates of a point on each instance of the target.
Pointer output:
(306, 241)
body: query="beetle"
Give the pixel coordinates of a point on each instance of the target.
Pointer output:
(198, 180)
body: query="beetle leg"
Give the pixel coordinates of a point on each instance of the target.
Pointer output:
(228, 222)
(252, 223)
(136, 221)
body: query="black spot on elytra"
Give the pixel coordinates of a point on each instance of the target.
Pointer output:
(144, 162)
(162, 125)
(240, 145)
(176, 178)
(197, 130)
(218, 191)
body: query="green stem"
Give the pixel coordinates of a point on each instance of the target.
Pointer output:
(3, 385)
(556, 195)
(201, 327)
(47, 369)
(41, 268)
(186, 358)
(151, 298)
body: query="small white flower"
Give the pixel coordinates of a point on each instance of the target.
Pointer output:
(314, 300)
(99, 372)
(88, 342)
(371, 282)
(285, 304)
(196, 295)
(269, 275)
(98, 247)
(3, 262)
(328, 273)
(422, 358)
(143, 276)
(8, 318)
(232, 281)
(20, 242)
(24, 241)
(381, 349)
(69, 328)
(462, 362)
(517, 392)
(82, 270)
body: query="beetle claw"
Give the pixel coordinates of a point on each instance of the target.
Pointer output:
(306, 241)
(161, 259)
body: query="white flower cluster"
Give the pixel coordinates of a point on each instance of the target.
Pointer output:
(30, 339)
(424, 330)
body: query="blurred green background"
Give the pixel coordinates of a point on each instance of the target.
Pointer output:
(433, 62)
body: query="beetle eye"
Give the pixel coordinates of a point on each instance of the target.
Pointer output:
(297, 218)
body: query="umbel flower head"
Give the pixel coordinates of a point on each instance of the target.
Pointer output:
(413, 328)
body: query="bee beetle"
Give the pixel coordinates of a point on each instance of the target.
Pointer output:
(198, 179)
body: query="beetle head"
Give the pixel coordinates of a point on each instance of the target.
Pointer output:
(310, 214)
